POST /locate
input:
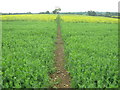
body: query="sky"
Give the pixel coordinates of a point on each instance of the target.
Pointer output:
(36, 6)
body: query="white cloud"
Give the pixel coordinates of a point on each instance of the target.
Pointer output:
(65, 5)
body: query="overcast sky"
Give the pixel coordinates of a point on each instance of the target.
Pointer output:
(36, 6)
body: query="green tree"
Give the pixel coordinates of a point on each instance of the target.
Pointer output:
(91, 13)
(47, 12)
(56, 11)
(29, 13)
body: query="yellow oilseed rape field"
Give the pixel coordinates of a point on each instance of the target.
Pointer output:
(91, 19)
(65, 18)
(41, 17)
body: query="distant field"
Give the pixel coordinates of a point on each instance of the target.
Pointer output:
(89, 19)
(90, 46)
(29, 17)
(65, 18)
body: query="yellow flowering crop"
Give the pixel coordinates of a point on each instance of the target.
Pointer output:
(81, 18)
(42, 17)
(65, 18)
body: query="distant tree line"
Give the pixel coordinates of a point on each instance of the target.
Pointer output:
(56, 11)
(106, 14)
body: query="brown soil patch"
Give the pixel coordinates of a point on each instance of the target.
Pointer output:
(61, 76)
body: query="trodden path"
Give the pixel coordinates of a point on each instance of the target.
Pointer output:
(61, 75)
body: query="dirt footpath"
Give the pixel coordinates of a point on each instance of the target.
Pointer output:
(61, 76)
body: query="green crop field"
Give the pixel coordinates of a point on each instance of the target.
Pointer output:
(29, 44)
(27, 50)
(91, 54)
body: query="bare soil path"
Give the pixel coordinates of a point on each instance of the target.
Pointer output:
(61, 75)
